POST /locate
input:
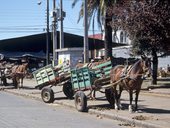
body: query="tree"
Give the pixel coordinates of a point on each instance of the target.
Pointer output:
(100, 9)
(147, 22)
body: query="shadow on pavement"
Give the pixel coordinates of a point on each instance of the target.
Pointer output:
(156, 110)
(60, 98)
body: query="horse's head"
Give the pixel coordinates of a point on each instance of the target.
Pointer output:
(146, 64)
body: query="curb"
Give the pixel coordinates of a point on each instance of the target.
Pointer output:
(124, 119)
(132, 122)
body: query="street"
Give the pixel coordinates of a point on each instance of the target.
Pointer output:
(20, 112)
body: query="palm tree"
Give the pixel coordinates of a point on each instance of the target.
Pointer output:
(99, 9)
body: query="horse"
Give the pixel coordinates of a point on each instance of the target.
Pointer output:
(132, 82)
(18, 74)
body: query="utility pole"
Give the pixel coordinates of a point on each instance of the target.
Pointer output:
(47, 35)
(61, 25)
(55, 15)
(86, 44)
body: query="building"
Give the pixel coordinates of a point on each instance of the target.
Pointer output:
(124, 51)
(35, 45)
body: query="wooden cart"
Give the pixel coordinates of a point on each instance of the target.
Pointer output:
(91, 79)
(49, 76)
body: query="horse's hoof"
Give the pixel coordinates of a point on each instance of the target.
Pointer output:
(121, 108)
(91, 98)
(1, 89)
(138, 111)
(130, 109)
(116, 108)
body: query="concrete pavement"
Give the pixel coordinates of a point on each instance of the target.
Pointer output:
(154, 105)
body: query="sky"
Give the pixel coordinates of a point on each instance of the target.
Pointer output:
(25, 17)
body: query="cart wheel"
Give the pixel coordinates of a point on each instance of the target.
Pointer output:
(80, 101)
(47, 95)
(110, 96)
(68, 91)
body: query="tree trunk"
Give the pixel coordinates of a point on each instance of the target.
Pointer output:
(154, 67)
(108, 37)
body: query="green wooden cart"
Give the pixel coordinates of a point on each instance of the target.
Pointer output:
(49, 76)
(90, 79)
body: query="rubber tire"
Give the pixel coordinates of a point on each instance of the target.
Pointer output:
(47, 95)
(80, 101)
(110, 96)
(68, 91)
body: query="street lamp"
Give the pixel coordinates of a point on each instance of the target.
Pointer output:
(47, 32)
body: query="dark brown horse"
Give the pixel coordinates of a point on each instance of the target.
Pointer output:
(131, 82)
(18, 74)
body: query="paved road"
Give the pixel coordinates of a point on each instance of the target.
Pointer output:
(20, 112)
(154, 105)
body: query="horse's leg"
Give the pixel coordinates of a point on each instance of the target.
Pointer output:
(17, 82)
(19, 79)
(136, 100)
(119, 95)
(14, 81)
(90, 94)
(116, 98)
(21, 82)
(130, 98)
(94, 94)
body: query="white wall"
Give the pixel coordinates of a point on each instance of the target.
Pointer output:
(69, 54)
(116, 38)
(164, 61)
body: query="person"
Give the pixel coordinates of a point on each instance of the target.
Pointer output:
(79, 64)
(168, 68)
(91, 64)
(66, 66)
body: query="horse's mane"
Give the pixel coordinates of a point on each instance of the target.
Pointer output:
(135, 65)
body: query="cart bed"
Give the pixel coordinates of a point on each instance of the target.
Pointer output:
(50, 75)
(85, 78)
(81, 78)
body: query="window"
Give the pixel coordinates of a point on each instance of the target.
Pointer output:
(121, 37)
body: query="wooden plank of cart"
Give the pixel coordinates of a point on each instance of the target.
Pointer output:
(49, 76)
(84, 79)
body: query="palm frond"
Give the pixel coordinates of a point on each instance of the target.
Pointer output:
(74, 3)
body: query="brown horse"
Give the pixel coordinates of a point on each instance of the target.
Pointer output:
(18, 74)
(131, 82)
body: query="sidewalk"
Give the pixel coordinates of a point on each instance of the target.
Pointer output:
(154, 105)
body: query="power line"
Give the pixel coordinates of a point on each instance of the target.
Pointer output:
(7, 28)
(18, 31)
(18, 26)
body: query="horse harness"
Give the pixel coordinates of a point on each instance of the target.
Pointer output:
(128, 69)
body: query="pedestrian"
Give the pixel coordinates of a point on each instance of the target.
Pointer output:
(168, 68)
(79, 64)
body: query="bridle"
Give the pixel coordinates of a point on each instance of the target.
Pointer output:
(146, 65)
